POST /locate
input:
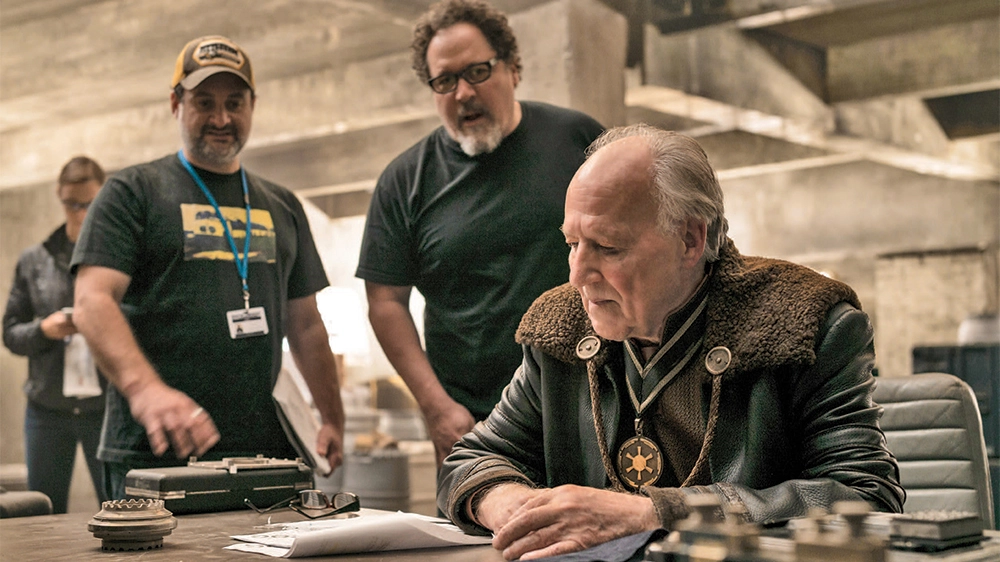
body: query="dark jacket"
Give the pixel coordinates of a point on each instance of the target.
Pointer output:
(790, 423)
(43, 285)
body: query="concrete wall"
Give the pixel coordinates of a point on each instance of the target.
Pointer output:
(922, 298)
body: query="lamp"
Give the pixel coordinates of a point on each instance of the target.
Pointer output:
(347, 330)
(346, 326)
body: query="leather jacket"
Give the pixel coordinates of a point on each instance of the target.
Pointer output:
(789, 419)
(43, 285)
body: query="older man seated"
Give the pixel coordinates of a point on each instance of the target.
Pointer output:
(670, 365)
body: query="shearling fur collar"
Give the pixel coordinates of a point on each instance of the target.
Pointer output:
(766, 311)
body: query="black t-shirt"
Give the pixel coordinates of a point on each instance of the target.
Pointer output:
(153, 223)
(479, 238)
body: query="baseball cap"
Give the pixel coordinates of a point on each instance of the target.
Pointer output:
(205, 56)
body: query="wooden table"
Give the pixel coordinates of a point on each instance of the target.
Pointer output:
(65, 538)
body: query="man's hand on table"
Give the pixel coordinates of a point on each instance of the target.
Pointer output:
(535, 523)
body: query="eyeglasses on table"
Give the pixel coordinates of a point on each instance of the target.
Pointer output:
(314, 504)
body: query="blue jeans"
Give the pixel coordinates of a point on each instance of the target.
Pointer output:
(50, 439)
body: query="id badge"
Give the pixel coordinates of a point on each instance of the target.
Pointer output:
(79, 371)
(247, 323)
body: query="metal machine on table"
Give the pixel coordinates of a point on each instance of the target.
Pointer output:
(205, 486)
(851, 534)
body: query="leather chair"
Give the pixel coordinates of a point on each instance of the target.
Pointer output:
(14, 477)
(932, 425)
(23, 503)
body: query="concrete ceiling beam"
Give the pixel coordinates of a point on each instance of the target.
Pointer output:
(904, 122)
(681, 15)
(355, 96)
(985, 148)
(868, 207)
(70, 74)
(951, 59)
(722, 118)
(735, 150)
(81, 60)
(967, 115)
(725, 64)
(317, 75)
(351, 158)
(804, 61)
(839, 22)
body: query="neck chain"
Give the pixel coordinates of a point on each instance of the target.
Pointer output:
(640, 461)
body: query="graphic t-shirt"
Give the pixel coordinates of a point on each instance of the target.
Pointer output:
(153, 223)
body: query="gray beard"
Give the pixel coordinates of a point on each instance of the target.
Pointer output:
(201, 150)
(484, 143)
(206, 154)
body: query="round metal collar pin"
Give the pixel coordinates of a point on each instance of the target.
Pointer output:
(588, 347)
(718, 360)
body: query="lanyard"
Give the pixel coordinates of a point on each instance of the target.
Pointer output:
(241, 263)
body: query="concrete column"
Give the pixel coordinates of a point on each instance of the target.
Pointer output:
(573, 52)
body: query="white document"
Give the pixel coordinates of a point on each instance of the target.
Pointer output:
(368, 533)
(79, 371)
(299, 414)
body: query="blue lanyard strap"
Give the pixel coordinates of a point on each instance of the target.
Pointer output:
(241, 263)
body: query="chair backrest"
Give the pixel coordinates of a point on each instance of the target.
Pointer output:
(932, 426)
(23, 504)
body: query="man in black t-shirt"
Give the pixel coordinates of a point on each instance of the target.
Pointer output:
(190, 272)
(469, 216)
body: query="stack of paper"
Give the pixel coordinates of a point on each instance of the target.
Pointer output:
(368, 533)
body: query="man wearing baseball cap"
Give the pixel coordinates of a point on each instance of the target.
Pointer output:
(190, 272)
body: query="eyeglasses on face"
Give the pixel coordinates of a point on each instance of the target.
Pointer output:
(314, 504)
(473, 74)
(76, 205)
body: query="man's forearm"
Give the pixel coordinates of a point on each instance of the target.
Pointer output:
(397, 334)
(492, 505)
(170, 417)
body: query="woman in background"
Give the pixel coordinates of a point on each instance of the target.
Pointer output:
(65, 393)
